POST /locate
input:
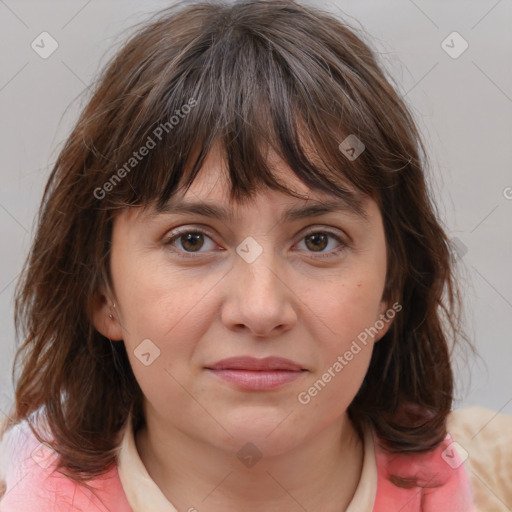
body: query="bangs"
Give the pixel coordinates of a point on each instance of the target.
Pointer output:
(250, 90)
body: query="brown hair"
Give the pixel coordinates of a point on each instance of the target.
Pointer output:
(253, 74)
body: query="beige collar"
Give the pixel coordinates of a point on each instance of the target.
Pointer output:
(143, 494)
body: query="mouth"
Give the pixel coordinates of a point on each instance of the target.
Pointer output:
(252, 374)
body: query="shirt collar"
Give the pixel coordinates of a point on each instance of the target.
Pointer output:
(143, 494)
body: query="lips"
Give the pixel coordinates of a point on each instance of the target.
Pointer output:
(253, 364)
(251, 374)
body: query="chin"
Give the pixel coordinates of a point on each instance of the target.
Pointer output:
(268, 430)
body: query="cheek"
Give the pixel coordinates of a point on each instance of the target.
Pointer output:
(163, 312)
(344, 347)
(153, 299)
(349, 307)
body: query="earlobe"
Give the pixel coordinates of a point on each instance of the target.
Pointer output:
(383, 321)
(105, 317)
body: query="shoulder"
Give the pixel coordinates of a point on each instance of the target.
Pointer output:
(427, 481)
(31, 482)
(484, 437)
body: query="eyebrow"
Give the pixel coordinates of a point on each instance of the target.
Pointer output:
(352, 205)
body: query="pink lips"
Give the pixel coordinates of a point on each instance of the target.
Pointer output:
(251, 374)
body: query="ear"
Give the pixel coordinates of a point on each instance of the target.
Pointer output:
(384, 320)
(105, 316)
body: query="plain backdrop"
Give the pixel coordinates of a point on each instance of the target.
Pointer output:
(462, 101)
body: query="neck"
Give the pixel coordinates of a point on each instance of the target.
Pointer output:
(320, 474)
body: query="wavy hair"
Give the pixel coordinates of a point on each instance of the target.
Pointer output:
(254, 74)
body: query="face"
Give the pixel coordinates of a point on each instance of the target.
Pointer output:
(192, 290)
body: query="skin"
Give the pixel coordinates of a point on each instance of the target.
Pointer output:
(214, 305)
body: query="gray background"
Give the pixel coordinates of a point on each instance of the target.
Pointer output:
(463, 107)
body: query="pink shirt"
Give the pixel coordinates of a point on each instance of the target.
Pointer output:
(26, 467)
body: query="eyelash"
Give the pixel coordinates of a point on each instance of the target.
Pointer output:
(177, 234)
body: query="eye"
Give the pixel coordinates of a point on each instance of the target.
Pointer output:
(317, 241)
(191, 241)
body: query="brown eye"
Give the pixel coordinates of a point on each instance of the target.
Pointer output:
(318, 241)
(190, 242)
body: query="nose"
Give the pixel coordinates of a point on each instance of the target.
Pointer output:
(260, 298)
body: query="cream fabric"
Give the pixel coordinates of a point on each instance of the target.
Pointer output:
(485, 437)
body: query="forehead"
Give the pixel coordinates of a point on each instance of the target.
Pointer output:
(209, 195)
(213, 182)
(210, 191)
